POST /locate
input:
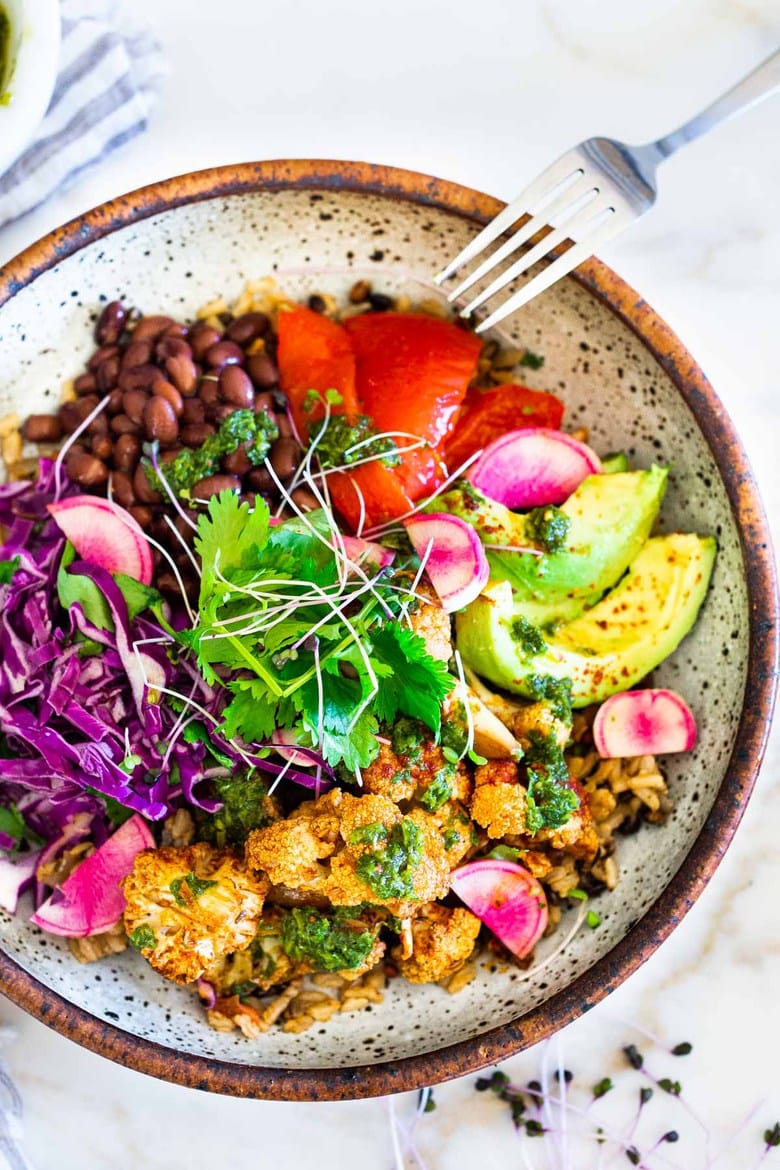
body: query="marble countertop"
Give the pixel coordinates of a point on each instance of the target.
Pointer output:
(488, 94)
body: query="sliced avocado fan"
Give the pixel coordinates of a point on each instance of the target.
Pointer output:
(609, 519)
(613, 644)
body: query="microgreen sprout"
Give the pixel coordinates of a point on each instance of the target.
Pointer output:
(71, 439)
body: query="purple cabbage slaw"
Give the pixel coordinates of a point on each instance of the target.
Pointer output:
(77, 718)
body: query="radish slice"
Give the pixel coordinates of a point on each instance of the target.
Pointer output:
(285, 744)
(91, 901)
(533, 467)
(105, 535)
(15, 878)
(507, 898)
(359, 550)
(643, 723)
(453, 555)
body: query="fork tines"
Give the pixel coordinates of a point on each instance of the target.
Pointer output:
(565, 203)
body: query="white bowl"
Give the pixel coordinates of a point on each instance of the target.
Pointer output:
(30, 74)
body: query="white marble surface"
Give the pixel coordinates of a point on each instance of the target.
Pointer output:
(487, 94)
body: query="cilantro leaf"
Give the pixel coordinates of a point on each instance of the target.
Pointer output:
(249, 714)
(417, 683)
(225, 535)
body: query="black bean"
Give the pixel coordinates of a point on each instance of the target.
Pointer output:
(42, 428)
(138, 378)
(181, 370)
(138, 353)
(122, 488)
(262, 371)
(143, 489)
(111, 323)
(168, 391)
(247, 328)
(134, 404)
(284, 457)
(121, 424)
(102, 446)
(212, 485)
(127, 452)
(196, 434)
(224, 353)
(235, 387)
(160, 420)
(202, 337)
(85, 384)
(84, 468)
(107, 373)
(151, 327)
(100, 355)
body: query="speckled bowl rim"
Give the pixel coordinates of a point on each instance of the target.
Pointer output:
(716, 833)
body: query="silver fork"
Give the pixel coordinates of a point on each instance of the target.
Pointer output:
(589, 195)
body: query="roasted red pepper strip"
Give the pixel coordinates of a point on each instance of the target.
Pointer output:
(413, 372)
(383, 495)
(314, 353)
(488, 414)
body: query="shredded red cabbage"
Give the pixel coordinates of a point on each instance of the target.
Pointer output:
(79, 719)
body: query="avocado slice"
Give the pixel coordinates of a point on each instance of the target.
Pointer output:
(612, 645)
(610, 517)
(612, 463)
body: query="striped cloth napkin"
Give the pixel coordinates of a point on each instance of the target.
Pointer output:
(107, 84)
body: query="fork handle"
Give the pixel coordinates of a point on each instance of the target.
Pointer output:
(760, 84)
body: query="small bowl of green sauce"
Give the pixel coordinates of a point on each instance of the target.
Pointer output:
(29, 55)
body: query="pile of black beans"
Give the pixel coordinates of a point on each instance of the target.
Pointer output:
(174, 384)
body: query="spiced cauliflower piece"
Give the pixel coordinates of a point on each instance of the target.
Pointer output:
(353, 850)
(578, 837)
(187, 907)
(432, 624)
(421, 774)
(542, 719)
(457, 831)
(443, 939)
(499, 801)
(389, 775)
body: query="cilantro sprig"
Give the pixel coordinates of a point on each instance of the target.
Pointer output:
(309, 646)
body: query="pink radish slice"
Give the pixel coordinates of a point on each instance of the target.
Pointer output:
(454, 557)
(91, 901)
(359, 551)
(643, 723)
(507, 898)
(15, 878)
(285, 744)
(533, 467)
(105, 535)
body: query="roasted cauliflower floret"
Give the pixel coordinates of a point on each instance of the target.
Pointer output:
(389, 775)
(187, 907)
(499, 801)
(355, 850)
(578, 837)
(422, 774)
(443, 939)
(432, 624)
(542, 719)
(291, 851)
(457, 831)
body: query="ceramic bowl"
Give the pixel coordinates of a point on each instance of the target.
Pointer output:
(319, 226)
(28, 81)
